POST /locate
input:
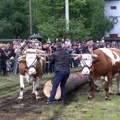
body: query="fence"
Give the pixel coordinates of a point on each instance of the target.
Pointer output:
(9, 40)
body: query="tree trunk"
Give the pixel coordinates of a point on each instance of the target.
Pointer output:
(74, 81)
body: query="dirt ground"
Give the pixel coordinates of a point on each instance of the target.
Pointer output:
(12, 109)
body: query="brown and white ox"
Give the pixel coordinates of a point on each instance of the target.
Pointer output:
(31, 69)
(102, 63)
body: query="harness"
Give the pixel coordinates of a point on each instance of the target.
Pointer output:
(91, 68)
(32, 65)
(85, 65)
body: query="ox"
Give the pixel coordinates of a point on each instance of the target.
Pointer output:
(31, 69)
(102, 63)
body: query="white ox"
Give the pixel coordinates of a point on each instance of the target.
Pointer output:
(31, 68)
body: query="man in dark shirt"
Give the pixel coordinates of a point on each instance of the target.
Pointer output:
(62, 70)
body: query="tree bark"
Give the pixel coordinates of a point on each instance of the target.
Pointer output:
(74, 81)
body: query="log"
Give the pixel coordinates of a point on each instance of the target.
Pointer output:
(74, 81)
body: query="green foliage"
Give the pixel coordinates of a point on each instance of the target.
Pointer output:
(99, 23)
(77, 29)
(48, 17)
(55, 28)
(13, 18)
(86, 19)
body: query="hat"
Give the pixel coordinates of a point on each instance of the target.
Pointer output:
(48, 88)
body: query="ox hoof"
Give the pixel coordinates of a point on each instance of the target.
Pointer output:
(33, 92)
(107, 98)
(20, 98)
(89, 97)
(38, 98)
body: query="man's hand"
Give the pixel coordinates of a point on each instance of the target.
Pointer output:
(78, 57)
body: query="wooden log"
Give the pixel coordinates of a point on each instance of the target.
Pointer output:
(74, 81)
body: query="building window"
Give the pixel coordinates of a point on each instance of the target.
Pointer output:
(113, 7)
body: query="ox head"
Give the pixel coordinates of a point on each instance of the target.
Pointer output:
(32, 60)
(86, 63)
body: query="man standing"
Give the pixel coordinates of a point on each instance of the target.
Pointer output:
(61, 60)
(3, 57)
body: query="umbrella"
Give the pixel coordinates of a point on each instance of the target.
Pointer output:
(36, 36)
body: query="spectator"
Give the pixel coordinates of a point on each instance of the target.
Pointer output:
(56, 40)
(4, 57)
(48, 41)
(88, 48)
(17, 53)
(68, 42)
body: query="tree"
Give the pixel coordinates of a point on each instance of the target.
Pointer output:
(13, 18)
(86, 18)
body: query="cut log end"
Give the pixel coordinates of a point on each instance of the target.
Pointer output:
(48, 88)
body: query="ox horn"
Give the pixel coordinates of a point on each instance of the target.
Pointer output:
(40, 51)
(74, 55)
(42, 55)
(94, 55)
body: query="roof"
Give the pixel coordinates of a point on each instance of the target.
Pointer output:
(111, 0)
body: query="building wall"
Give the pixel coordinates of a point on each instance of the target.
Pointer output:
(112, 11)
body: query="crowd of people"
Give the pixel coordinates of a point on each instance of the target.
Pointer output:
(58, 58)
(9, 53)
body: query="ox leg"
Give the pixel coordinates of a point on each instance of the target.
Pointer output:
(33, 92)
(92, 94)
(21, 87)
(36, 85)
(27, 76)
(106, 88)
(118, 84)
(110, 88)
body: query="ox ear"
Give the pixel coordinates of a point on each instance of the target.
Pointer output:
(73, 55)
(94, 55)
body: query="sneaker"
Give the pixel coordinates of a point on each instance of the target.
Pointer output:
(62, 101)
(49, 102)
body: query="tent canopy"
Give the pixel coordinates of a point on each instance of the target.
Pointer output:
(36, 36)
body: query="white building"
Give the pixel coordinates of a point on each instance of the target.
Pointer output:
(112, 11)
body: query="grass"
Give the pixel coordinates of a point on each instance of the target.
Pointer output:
(77, 106)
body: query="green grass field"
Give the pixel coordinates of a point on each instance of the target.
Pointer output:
(77, 106)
